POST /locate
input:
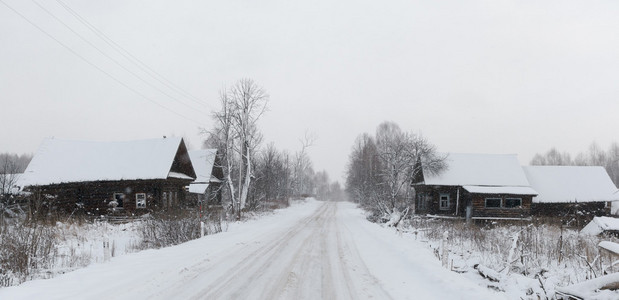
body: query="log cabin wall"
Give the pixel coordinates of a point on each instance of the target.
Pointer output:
(563, 209)
(481, 211)
(572, 214)
(94, 197)
(459, 199)
(428, 200)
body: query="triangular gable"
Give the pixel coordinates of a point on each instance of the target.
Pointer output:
(182, 162)
(63, 161)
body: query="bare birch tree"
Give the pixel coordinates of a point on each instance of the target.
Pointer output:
(237, 133)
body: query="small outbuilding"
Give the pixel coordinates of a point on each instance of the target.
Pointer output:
(206, 189)
(131, 176)
(577, 191)
(601, 225)
(476, 186)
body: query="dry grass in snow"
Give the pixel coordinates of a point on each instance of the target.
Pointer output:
(524, 260)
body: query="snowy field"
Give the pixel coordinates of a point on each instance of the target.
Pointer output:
(311, 250)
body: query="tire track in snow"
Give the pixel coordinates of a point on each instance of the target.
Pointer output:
(296, 273)
(248, 265)
(315, 258)
(351, 261)
(209, 265)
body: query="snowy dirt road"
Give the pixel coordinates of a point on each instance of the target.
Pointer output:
(308, 260)
(314, 250)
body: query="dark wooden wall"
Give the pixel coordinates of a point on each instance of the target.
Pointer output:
(182, 163)
(433, 205)
(573, 214)
(580, 212)
(94, 197)
(465, 198)
(479, 209)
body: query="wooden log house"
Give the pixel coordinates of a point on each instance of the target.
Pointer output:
(579, 192)
(476, 186)
(99, 177)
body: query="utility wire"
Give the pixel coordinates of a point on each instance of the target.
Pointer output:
(114, 60)
(132, 58)
(97, 67)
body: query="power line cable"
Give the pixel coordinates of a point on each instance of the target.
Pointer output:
(114, 60)
(97, 67)
(132, 58)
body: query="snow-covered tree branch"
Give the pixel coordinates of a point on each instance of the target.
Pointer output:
(381, 168)
(237, 136)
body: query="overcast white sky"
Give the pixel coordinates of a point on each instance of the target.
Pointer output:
(472, 76)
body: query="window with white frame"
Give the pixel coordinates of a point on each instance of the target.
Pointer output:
(140, 200)
(493, 203)
(513, 202)
(443, 201)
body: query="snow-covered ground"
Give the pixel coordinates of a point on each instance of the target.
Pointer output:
(311, 250)
(81, 245)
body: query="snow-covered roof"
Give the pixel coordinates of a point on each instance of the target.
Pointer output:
(561, 184)
(179, 176)
(479, 170)
(198, 188)
(601, 224)
(609, 246)
(63, 161)
(203, 162)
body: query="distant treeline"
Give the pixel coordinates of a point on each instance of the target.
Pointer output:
(594, 156)
(13, 163)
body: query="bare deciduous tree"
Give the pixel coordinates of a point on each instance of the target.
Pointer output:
(9, 174)
(382, 169)
(363, 170)
(302, 170)
(272, 176)
(237, 136)
(323, 185)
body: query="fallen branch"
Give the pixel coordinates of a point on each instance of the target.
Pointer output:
(587, 289)
(488, 273)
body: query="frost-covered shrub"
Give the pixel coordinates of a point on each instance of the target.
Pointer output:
(542, 250)
(166, 229)
(25, 248)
